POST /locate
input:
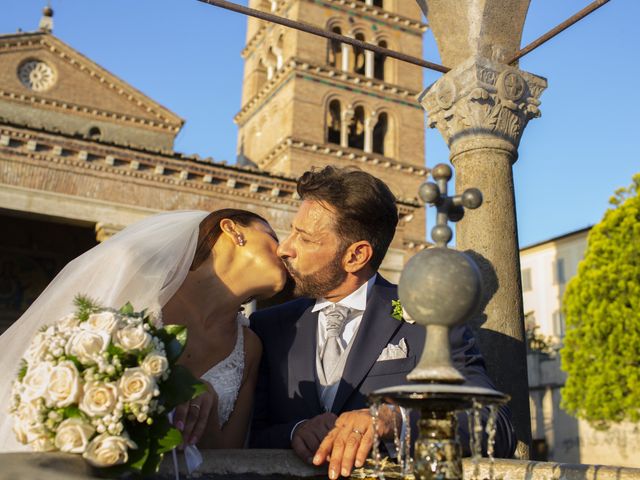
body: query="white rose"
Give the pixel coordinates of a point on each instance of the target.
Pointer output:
(26, 425)
(107, 450)
(104, 321)
(73, 435)
(155, 365)
(36, 381)
(64, 384)
(86, 345)
(136, 386)
(99, 399)
(133, 337)
(68, 322)
(37, 348)
(43, 443)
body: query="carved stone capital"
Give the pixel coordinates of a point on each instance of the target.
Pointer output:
(483, 104)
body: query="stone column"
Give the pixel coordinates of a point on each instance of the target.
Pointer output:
(369, 122)
(345, 124)
(481, 108)
(368, 63)
(345, 56)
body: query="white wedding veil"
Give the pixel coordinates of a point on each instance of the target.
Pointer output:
(144, 264)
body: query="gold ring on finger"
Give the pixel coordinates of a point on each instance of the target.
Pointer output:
(355, 430)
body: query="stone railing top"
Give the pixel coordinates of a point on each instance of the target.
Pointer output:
(242, 464)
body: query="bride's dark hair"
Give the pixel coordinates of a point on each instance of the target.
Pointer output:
(210, 230)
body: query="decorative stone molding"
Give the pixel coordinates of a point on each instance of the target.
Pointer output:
(185, 172)
(341, 153)
(367, 13)
(53, 104)
(369, 86)
(481, 101)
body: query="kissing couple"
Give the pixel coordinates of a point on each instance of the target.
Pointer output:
(296, 375)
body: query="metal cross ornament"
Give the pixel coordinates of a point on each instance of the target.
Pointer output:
(448, 208)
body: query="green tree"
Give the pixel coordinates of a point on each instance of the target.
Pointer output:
(601, 352)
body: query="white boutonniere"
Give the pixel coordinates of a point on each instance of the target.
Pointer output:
(400, 313)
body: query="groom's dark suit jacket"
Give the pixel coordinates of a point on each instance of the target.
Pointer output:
(286, 391)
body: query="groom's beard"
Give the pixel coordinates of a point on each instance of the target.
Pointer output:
(319, 283)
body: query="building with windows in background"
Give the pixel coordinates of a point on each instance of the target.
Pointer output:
(546, 268)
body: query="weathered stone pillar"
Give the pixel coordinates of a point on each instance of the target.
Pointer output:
(481, 108)
(345, 56)
(368, 133)
(368, 63)
(345, 125)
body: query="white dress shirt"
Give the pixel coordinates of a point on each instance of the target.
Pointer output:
(356, 302)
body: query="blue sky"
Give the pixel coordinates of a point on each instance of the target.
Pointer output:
(186, 55)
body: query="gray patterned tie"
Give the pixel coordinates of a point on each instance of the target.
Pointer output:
(336, 316)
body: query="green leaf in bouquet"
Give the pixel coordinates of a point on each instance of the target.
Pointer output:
(76, 362)
(115, 351)
(174, 338)
(85, 306)
(163, 438)
(127, 309)
(180, 387)
(166, 435)
(71, 411)
(22, 371)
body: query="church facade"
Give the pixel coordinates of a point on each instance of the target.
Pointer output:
(83, 154)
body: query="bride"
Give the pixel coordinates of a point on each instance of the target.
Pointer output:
(192, 268)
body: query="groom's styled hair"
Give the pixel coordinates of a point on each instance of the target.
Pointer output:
(365, 207)
(210, 230)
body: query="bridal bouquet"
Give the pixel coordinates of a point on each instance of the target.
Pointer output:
(101, 382)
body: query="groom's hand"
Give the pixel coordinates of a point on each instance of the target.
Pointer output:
(307, 436)
(351, 440)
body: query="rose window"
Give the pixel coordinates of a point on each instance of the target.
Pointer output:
(36, 75)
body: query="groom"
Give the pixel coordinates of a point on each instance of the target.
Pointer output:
(325, 352)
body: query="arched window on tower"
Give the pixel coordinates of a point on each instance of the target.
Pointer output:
(356, 129)
(378, 3)
(378, 62)
(380, 134)
(333, 122)
(358, 63)
(334, 51)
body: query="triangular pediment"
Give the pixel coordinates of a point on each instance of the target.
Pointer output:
(40, 70)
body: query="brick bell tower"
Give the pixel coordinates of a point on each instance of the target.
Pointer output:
(309, 101)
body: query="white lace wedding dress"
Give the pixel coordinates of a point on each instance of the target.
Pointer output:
(226, 376)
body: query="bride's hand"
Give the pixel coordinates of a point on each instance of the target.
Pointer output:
(191, 417)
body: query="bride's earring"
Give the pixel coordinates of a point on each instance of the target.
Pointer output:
(241, 241)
